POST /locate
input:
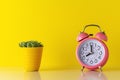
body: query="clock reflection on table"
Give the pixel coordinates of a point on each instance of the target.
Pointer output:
(93, 75)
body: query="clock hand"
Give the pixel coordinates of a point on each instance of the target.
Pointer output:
(88, 54)
(91, 49)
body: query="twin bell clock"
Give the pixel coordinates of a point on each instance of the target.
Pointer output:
(92, 52)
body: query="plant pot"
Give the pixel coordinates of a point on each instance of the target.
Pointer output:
(32, 58)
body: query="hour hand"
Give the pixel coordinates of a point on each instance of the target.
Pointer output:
(88, 54)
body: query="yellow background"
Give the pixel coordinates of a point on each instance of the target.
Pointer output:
(56, 23)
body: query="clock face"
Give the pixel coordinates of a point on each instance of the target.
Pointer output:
(91, 52)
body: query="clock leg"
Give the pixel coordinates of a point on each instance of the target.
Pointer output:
(82, 68)
(100, 68)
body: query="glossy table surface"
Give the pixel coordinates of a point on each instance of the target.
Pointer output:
(59, 75)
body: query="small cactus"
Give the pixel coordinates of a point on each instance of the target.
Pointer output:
(30, 44)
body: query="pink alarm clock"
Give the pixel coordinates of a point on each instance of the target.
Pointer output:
(92, 53)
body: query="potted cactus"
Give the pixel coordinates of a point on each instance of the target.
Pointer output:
(32, 54)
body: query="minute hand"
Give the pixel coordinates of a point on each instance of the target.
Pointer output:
(91, 48)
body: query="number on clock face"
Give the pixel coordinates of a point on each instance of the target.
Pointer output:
(91, 52)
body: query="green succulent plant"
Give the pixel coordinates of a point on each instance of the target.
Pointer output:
(30, 44)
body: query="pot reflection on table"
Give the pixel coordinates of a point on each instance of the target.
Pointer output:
(93, 75)
(32, 76)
